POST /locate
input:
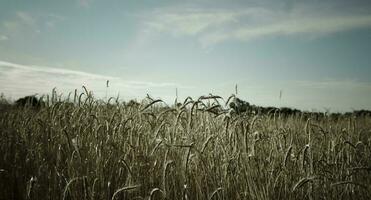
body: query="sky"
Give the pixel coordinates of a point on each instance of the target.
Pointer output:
(316, 53)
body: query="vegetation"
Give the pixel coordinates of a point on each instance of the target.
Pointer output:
(89, 149)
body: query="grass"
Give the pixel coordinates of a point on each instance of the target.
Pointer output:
(89, 149)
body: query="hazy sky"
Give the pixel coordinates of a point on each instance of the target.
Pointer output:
(317, 52)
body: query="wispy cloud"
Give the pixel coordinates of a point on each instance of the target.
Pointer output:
(18, 23)
(18, 80)
(3, 38)
(23, 24)
(211, 26)
(51, 20)
(84, 3)
(292, 26)
(191, 22)
(26, 18)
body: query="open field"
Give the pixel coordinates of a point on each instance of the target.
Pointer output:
(88, 149)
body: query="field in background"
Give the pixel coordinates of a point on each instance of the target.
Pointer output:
(90, 149)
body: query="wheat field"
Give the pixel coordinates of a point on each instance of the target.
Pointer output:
(86, 148)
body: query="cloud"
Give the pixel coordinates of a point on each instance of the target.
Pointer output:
(19, 80)
(293, 26)
(3, 38)
(84, 3)
(51, 20)
(22, 25)
(191, 22)
(20, 21)
(212, 26)
(25, 18)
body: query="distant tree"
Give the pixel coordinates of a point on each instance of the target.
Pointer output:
(362, 113)
(133, 103)
(30, 101)
(239, 106)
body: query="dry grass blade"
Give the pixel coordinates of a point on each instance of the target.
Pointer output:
(186, 100)
(164, 112)
(127, 166)
(288, 154)
(149, 97)
(215, 192)
(350, 144)
(109, 100)
(348, 182)
(127, 188)
(156, 147)
(86, 90)
(206, 143)
(305, 152)
(210, 97)
(229, 98)
(68, 185)
(185, 104)
(150, 104)
(361, 168)
(302, 182)
(153, 191)
(167, 164)
(183, 145)
(212, 109)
